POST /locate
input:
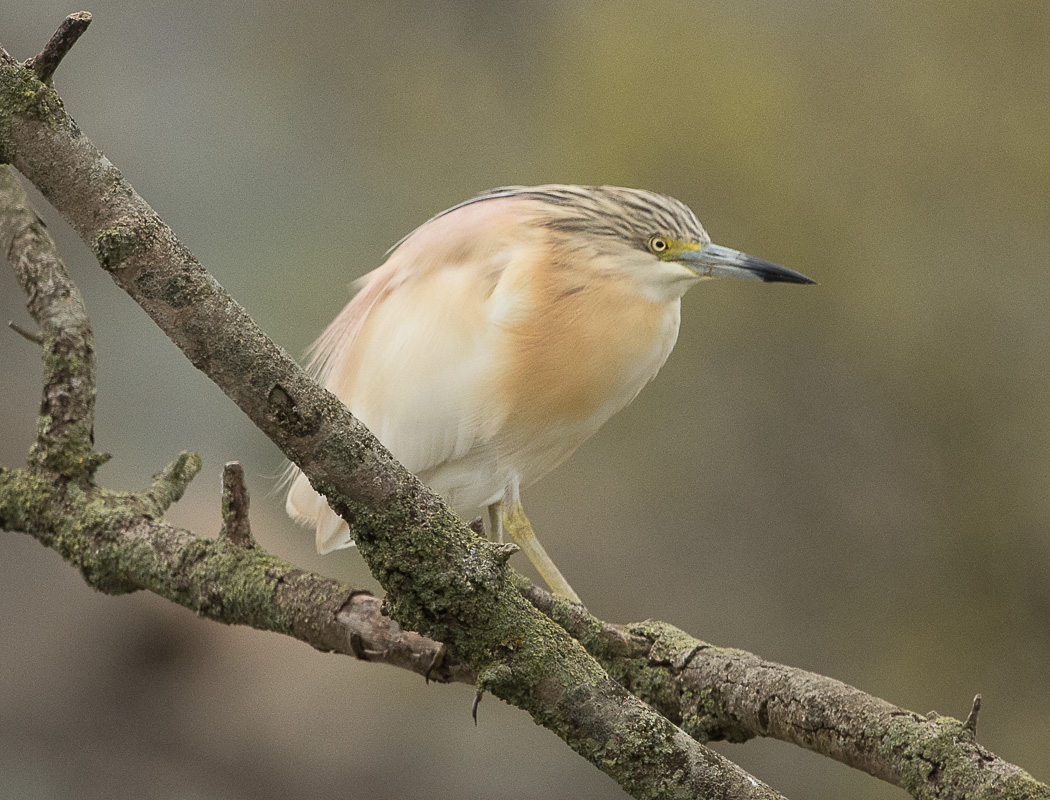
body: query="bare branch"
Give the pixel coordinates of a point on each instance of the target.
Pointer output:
(45, 64)
(235, 526)
(35, 338)
(971, 719)
(323, 613)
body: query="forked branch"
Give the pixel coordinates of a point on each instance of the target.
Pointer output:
(465, 596)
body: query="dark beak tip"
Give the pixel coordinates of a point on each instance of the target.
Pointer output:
(788, 277)
(773, 273)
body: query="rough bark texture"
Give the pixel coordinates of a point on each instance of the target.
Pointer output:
(120, 544)
(720, 693)
(71, 29)
(442, 580)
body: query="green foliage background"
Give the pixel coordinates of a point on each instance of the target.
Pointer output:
(853, 478)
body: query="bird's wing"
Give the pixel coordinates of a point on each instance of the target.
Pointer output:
(416, 369)
(411, 366)
(412, 354)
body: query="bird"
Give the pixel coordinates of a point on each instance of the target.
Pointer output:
(502, 333)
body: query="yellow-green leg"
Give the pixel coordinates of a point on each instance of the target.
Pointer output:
(496, 523)
(511, 516)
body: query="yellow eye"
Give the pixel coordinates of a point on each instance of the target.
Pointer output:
(658, 245)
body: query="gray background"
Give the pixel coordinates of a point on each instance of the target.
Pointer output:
(851, 478)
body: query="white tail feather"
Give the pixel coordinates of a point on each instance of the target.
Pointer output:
(307, 507)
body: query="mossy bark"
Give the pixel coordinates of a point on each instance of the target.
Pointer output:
(442, 579)
(725, 694)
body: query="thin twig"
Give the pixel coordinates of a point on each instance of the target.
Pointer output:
(71, 29)
(971, 719)
(35, 338)
(235, 526)
(170, 483)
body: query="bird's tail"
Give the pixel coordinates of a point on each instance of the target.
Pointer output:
(307, 507)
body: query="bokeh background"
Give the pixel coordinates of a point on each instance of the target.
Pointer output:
(852, 478)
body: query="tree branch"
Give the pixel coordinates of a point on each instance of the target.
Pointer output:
(720, 693)
(116, 539)
(119, 545)
(116, 543)
(29, 336)
(235, 526)
(65, 428)
(441, 579)
(45, 64)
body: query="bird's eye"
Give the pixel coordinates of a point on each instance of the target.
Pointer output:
(658, 244)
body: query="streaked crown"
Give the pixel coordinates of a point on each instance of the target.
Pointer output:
(631, 214)
(627, 215)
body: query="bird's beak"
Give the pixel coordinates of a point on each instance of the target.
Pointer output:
(715, 261)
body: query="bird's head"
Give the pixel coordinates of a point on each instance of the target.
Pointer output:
(649, 239)
(684, 262)
(655, 239)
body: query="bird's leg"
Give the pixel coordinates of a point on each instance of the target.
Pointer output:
(495, 523)
(520, 530)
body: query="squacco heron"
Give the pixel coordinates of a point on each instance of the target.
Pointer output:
(502, 333)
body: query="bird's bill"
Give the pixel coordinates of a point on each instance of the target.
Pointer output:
(715, 261)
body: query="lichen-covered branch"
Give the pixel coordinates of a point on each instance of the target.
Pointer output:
(117, 543)
(720, 693)
(442, 580)
(120, 544)
(65, 426)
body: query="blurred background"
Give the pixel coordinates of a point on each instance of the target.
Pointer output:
(853, 478)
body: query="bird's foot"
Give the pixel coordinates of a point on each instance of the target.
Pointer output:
(436, 662)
